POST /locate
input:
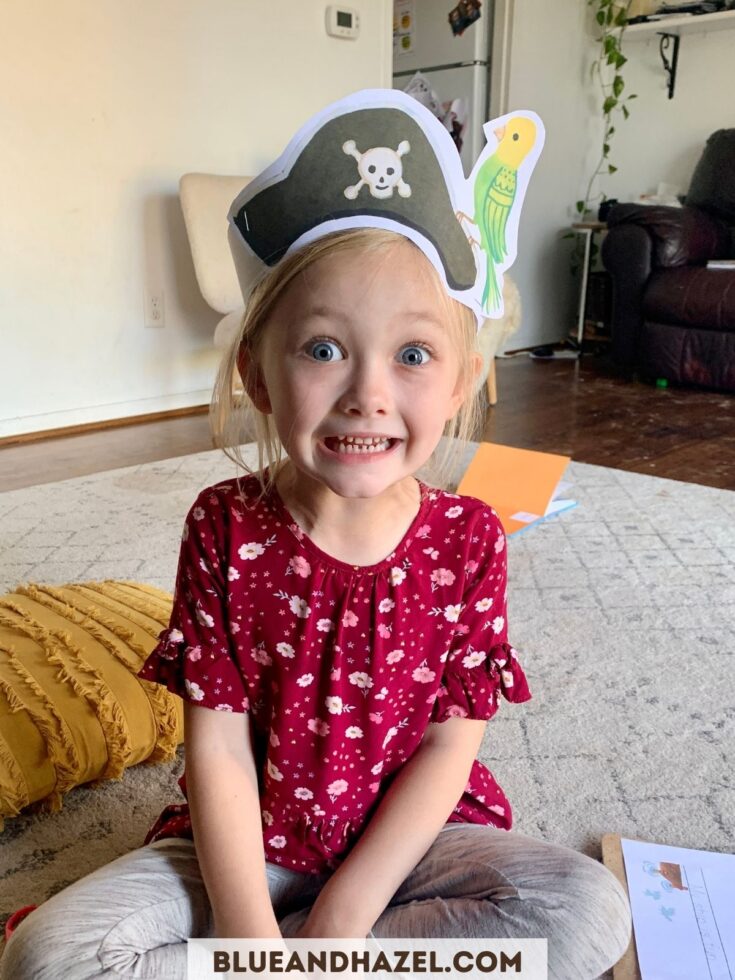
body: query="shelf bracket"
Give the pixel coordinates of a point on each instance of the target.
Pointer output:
(670, 66)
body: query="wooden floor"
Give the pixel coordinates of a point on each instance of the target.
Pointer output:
(581, 409)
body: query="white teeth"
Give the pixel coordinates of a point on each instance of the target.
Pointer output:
(375, 447)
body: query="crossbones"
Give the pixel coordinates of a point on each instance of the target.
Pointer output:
(380, 168)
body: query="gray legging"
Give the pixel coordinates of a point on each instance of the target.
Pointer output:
(131, 918)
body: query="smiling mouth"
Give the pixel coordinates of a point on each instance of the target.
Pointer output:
(364, 446)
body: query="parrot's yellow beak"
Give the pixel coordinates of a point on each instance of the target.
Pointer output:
(500, 132)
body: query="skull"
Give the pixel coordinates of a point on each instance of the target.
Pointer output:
(380, 168)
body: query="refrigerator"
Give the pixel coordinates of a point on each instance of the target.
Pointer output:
(454, 66)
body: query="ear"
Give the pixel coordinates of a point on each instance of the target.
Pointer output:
(253, 381)
(461, 392)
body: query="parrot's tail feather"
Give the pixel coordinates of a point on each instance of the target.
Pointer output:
(491, 297)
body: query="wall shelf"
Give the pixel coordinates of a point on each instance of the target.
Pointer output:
(696, 24)
(670, 31)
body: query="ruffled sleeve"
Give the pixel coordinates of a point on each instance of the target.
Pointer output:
(194, 656)
(481, 664)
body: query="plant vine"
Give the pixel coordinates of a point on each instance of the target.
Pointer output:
(612, 18)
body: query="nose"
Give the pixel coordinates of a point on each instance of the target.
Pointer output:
(367, 391)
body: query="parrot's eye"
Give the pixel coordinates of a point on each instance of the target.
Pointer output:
(371, 169)
(516, 136)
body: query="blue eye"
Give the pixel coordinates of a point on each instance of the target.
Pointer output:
(323, 350)
(414, 355)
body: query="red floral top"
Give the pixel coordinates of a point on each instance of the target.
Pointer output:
(341, 667)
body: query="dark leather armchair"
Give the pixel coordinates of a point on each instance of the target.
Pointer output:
(672, 317)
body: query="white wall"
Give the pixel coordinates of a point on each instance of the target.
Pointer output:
(550, 53)
(103, 105)
(663, 139)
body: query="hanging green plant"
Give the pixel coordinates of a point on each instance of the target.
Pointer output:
(606, 70)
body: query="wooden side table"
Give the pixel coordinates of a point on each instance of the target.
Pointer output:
(589, 229)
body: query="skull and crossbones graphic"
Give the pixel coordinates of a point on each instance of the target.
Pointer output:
(380, 168)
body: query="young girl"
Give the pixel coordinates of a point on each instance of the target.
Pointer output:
(339, 637)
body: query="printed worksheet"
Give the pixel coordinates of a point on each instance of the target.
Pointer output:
(683, 904)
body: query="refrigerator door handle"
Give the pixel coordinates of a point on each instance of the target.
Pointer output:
(425, 71)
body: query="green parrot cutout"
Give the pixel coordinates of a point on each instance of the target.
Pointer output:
(499, 180)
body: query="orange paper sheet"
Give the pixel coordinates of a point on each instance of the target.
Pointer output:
(513, 480)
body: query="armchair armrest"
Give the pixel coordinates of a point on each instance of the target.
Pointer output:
(679, 236)
(627, 254)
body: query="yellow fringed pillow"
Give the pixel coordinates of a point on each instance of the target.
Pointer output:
(72, 710)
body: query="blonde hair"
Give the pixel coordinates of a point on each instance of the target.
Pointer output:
(232, 413)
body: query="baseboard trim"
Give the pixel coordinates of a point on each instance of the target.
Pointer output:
(85, 427)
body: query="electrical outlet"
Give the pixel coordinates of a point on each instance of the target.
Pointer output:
(154, 309)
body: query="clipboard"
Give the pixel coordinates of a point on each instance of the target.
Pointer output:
(612, 857)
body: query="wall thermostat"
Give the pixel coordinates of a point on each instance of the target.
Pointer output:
(342, 21)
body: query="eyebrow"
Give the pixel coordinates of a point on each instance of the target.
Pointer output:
(327, 312)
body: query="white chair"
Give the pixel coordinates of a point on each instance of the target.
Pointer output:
(205, 201)
(493, 335)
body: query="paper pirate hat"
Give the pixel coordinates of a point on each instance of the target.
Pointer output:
(379, 159)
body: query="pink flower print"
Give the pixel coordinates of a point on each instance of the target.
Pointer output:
(376, 716)
(194, 653)
(499, 543)
(386, 605)
(260, 656)
(302, 793)
(374, 787)
(454, 511)
(391, 733)
(318, 812)
(354, 731)
(507, 678)
(204, 618)
(335, 673)
(432, 553)
(295, 529)
(198, 513)
(250, 550)
(497, 808)
(278, 841)
(451, 613)
(397, 575)
(456, 711)
(232, 574)
(334, 704)
(304, 680)
(317, 726)
(423, 674)
(384, 630)
(349, 618)
(234, 628)
(245, 704)
(223, 707)
(267, 817)
(473, 659)
(324, 625)
(498, 624)
(424, 531)
(274, 740)
(362, 680)
(377, 768)
(299, 566)
(482, 605)
(442, 576)
(471, 567)
(273, 771)
(382, 695)
(300, 607)
(462, 629)
(193, 690)
(286, 650)
(500, 658)
(336, 789)
(394, 656)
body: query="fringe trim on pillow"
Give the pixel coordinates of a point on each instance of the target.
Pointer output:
(161, 701)
(156, 605)
(14, 792)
